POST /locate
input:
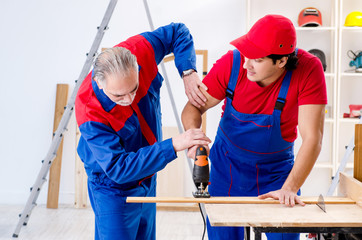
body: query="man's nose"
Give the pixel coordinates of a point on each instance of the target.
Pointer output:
(128, 97)
(246, 64)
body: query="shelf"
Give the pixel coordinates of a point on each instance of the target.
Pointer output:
(323, 165)
(351, 29)
(328, 120)
(348, 165)
(315, 28)
(349, 120)
(351, 74)
(330, 74)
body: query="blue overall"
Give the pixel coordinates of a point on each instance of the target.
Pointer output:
(249, 156)
(109, 204)
(121, 146)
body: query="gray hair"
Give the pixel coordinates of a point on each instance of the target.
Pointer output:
(117, 60)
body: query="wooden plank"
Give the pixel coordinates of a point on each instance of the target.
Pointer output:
(169, 58)
(278, 215)
(178, 208)
(204, 54)
(234, 200)
(351, 188)
(204, 72)
(357, 172)
(54, 173)
(81, 190)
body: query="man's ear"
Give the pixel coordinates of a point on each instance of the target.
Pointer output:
(98, 84)
(282, 62)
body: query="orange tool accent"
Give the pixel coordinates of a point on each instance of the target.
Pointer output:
(201, 160)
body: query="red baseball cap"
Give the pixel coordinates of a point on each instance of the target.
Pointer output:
(310, 17)
(272, 34)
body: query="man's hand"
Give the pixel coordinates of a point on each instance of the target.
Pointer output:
(192, 83)
(286, 197)
(190, 138)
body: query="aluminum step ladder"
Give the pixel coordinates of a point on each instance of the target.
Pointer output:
(342, 165)
(50, 156)
(178, 121)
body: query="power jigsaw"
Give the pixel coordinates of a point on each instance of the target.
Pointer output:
(201, 173)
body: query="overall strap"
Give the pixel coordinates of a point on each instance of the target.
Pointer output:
(279, 105)
(145, 128)
(234, 74)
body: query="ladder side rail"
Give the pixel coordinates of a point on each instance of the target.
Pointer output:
(34, 193)
(342, 165)
(169, 91)
(95, 46)
(164, 73)
(31, 202)
(178, 121)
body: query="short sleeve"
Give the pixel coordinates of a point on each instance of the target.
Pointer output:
(312, 87)
(218, 77)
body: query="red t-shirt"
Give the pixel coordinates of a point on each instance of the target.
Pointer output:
(307, 86)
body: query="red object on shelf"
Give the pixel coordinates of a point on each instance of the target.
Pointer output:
(355, 110)
(346, 115)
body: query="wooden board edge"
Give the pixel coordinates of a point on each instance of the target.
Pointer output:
(351, 188)
(233, 200)
(193, 208)
(357, 166)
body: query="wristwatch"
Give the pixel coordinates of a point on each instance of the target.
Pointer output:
(187, 72)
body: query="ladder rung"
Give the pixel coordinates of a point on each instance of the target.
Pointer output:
(104, 29)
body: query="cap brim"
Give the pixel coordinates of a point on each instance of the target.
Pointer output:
(310, 20)
(248, 49)
(311, 23)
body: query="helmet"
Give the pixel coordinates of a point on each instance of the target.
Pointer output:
(271, 34)
(354, 19)
(310, 17)
(320, 54)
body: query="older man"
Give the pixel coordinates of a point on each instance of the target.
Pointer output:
(119, 117)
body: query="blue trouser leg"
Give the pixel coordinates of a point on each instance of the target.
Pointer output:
(115, 219)
(282, 236)
(147, 226)
(96, 234)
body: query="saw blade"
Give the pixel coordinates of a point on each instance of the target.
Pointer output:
(321, 204)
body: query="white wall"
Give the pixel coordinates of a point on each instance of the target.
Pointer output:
(44, 43)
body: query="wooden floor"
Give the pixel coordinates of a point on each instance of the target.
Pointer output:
(69, 223)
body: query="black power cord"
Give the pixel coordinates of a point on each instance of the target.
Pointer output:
(204, 219)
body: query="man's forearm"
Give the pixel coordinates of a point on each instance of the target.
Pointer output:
(191, 117)
(304, 162)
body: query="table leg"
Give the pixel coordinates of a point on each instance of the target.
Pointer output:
(247, 233)
(257, 234)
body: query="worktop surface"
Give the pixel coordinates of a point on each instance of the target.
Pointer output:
(277, 215)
